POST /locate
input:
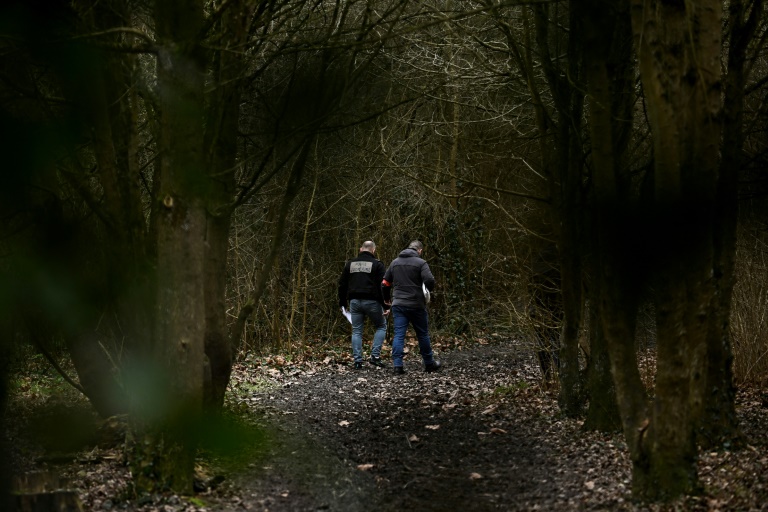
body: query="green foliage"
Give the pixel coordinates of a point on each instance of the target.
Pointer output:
(32, 379)
(196, 501)
(247, 388)
(233, 440)
(462, 247)
(64, 428)
(511, 389)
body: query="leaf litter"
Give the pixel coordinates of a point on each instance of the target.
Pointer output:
(483, 434)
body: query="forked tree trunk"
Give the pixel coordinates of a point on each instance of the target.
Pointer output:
(617, 300)
(221, 146)
(717, 423)
(660, 438)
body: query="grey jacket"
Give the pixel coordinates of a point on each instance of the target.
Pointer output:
(406, 274)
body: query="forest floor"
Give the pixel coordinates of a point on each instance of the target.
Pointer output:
(483, 434)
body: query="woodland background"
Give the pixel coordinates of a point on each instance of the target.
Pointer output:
(185, 179)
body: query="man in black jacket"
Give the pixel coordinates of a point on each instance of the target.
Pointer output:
(360, 283)
(410, 276)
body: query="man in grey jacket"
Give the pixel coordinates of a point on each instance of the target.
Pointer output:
(409, 274)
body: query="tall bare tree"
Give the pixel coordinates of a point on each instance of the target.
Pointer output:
(717, 420)
(679, 48)
(559, 127)
(164, 452)
(610, 75)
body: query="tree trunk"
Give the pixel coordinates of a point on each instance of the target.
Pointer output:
(60, 501)
(291, 191)
(546, 309)
(603, 412)
(717, 423)
(605, 28)
(221, 146)
(565, 166)
(6, 499)
(96, 374)
(165, 451)
(104, 93)
(679, 47)
(571, 397)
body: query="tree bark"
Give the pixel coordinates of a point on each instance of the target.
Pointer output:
(6, 498)
(116, 251)
(291, 190)
(679, 47)
(605, 28)
(603, 411)
(564, 166)
(60, 501)
(617, 293)
(717, 423)
(221, 147)
(164, 455)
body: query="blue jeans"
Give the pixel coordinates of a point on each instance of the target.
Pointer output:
(361, 308)
(419, 319)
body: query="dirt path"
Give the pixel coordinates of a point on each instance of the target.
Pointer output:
(477, 436)
(480, 436)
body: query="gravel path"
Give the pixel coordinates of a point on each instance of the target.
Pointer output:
(476, 436)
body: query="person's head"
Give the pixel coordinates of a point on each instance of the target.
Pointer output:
(369, 246)
(416, 246)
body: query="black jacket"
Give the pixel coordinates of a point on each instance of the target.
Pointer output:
(407, 273)
(361, 279)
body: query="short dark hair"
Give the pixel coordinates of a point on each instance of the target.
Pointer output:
(416, 245)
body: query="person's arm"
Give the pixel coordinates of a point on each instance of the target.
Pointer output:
(378, 278)
(427, 277)
(343, 285)
(386, 288)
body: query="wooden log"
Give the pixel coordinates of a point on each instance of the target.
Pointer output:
(44, 491)
(39, 481)
(55, 501)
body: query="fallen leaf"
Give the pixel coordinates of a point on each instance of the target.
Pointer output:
(343, 423)
(432, 427)
(413, 438)
(495, 430)
(475, 476)
(590, 485)
(490, 409)
(364, 467)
